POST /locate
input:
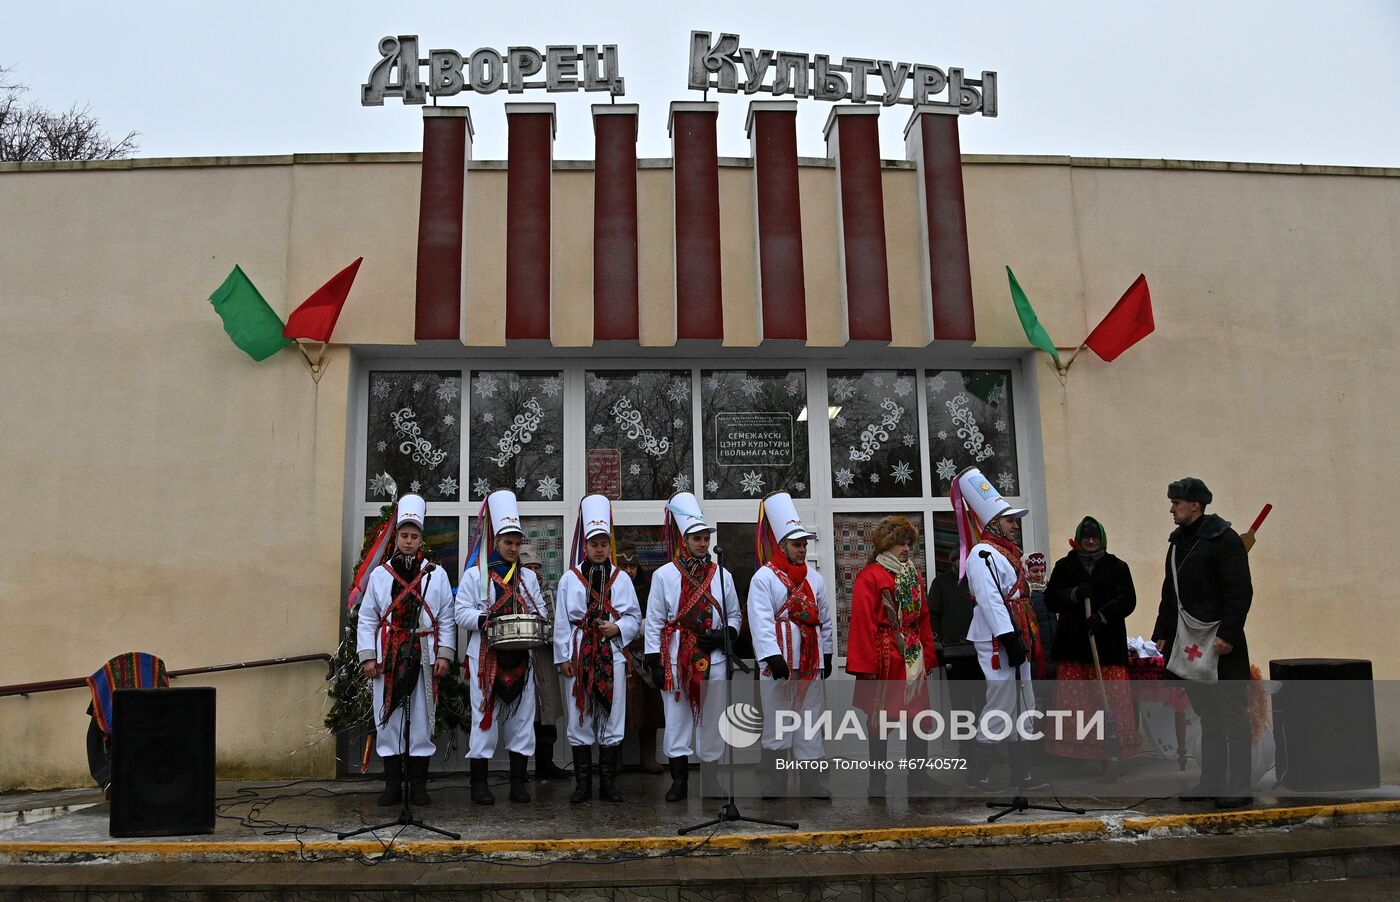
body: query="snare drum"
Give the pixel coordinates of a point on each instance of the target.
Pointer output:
(510, 632)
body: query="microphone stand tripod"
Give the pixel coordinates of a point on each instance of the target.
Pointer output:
(729, 812)
(1018, 803)
(405, 817)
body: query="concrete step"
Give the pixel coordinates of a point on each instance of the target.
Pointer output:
(1267, 865)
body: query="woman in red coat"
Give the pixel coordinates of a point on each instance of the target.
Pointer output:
(890, 647)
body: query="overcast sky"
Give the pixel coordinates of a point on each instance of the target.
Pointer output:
(1286, 82)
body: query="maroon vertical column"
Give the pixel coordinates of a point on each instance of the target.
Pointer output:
(772, 129)
(529, 168)
(853, 140)
(931, 142)
(615, 222)
(699, 298)
(437, 309)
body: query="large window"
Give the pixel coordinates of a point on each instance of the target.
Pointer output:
(874, 432)
(638, 433)
(755, 433)
(517, 433)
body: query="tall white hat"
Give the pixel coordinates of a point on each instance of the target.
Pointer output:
(780, 515)
(505, 512)
(412, 509)
(595, 515)
(982, 498)
(684, 507)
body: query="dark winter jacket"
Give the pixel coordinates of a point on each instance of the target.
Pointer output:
(1111, 594)
(1213, 573)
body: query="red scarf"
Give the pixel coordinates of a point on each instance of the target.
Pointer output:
(502, 673)
(1019, 605)
(800, 609)
(694, 615)
(593, 657)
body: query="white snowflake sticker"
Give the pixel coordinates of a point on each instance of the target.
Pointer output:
(448, 390)
(750, 387)
(800, 486)
(383, 484)
(996, 394)
(488, 417)
(903, 386)
(548, 487)
(519, 483)
(681, 482)
(902, 473)
(448, 487)
(415, 486)
(381, 389)
(712, 486)
(794, 386)
(1000, 425)
(875, 477)
(380, 446)
(909, 440)
(1006, 482)
(481, 488)
(596, 384)
(485, 385)
(549, 450)
(943, 435)
(878, 381)
(635, 469)
(844, 478)
(840, 421)
(752, 482)
(597, 428)
(712, 383)
(937, 384)
(843, 389)
(678, 391)
(449, 420)
(947, 469)
(417, 387)
(551, 386)
(678, 423)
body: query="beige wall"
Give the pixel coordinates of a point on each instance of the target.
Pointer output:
(191, 501)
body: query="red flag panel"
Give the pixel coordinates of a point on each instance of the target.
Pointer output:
(1129, 322)
(315, 319)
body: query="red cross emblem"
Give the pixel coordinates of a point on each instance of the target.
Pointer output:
(1193, 652)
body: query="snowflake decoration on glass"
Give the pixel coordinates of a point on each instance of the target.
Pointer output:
(447, 487)
(551, 386)
(877, 381)
(513, 384)
(840, 421)
(383, 484)
(1000, 425)
(635, 380)
(417, 387)
(681, 482)
(844, 478)
(447, 390)
(750, 387)
(549, 450)
(943, 435)
(842, 389)
(449, 420)
(678, 391)
(875, 477)
(488, 417)
(635, 469)
(485, 385)
(794, 386)
(996, 395)
(909, 440)
(380, 446)
(947, 469)
(1006, 482)
(903, 386)
(752, 482)
(597, 385)
(678, 423)
(712, 383)
(902, 473)
(415, 486)
(481, 488)
(597, 428)
(381, 389)
(800, 486)
(548, 487)
(712, 486)
(519, 483)
(937, 384)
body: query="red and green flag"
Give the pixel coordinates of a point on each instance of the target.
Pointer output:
(253, 325)
(315, 319)
(1129, 322)
(1035, 332)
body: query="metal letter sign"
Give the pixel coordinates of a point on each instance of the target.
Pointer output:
(567, 67)
(717, 64)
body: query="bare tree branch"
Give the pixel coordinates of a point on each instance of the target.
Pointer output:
(31, 132)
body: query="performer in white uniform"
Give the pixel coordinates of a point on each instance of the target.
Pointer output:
(596, 613)
(405, 638)
(790, 621)
(502, 682)
(685, 642)
(1003, 626)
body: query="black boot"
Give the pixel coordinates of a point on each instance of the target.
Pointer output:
(1214, 763)
(418, 780)
(1020, 754)
(545, 768)
(647, 738)
(979, 767)
(481, 793)
(921, 780)
(393, 782)
(879, 752)
(774, 780)
(519, 771)
(607, 774)
(680, 779)
(583, 772)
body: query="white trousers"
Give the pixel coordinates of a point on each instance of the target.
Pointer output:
(781, 695)
(683, 736)
(518, 728)
(1001, 690)
(587, 729)
(388, 739)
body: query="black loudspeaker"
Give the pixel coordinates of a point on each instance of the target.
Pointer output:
(162, 762)
(1325, 725)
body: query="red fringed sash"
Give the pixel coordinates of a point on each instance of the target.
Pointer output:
(694, 616)
(399, 630)
(1019, 606)
(799, 610)
(509, 674)
(593, 658)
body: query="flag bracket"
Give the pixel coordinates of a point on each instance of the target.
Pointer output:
(317, 367)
